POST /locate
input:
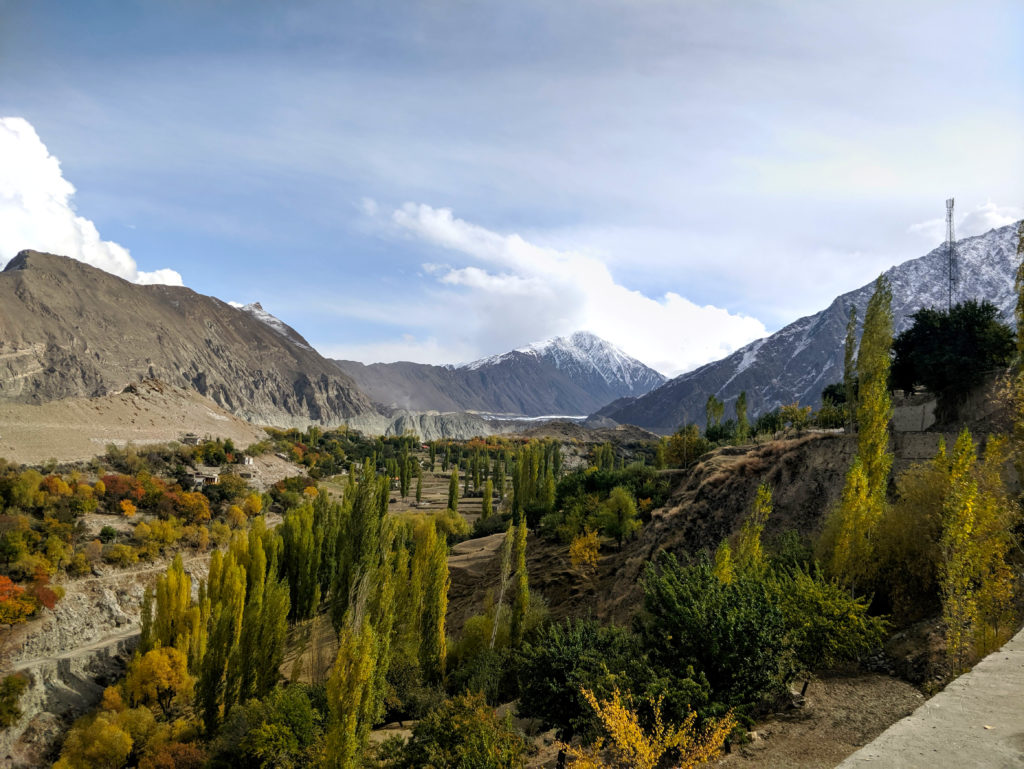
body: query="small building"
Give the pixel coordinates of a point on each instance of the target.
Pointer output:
(190, 439)
(204, 476)
(247, 460)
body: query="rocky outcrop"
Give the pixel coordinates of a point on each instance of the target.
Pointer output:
(68, 329)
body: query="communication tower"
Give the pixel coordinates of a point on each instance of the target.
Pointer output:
(951, 260)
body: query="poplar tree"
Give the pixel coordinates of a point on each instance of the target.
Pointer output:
(874, 407)
(453, 489)
(742, 423)
(749, 555)
(419, 484)
(487, 503)
(958, 573)
(433, 648)
(848, 540)
(499, 475)
(521, 597)
(713, 410)
(850, 368)
(349, 693)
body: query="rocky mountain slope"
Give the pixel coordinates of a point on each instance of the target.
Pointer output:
(68, 330)
(797, 362)
(571, 375)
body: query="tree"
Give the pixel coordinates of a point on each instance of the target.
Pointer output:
(15, 605)
(453, 489)
(618, 515)
(734, 633)
(714, 409)
(584, 551)
(633, 747)
(160, 677)
(521, 596)
(96, 742)
(950, 352)
(348, 695)
(850, 367)
(847, 543)
(11, 689)
(874, 407)
(742, 423)
(436, 580)
(749, 554)
(463, 732)
(487, 504)
(685, 446)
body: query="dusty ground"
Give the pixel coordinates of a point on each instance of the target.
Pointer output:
(81, 428)
(977, 720)
(839, 715)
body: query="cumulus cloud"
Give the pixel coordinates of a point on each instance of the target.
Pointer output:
(977, 221)
(36, 210)
(518, 291)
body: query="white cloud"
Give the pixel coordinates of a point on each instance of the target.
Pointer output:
(520, 292)
(407, 348)
(977, 221)
(36, 210)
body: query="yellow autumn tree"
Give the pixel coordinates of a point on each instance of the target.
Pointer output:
(724, 568)
(957, 578)
(584, 551)
(96, 742)
(850, 529)
(128, 510)
(749, 555)
(628, 745)
(159, 677)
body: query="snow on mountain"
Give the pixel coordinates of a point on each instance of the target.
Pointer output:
(798, 361)
(256, 310)
(583, 355)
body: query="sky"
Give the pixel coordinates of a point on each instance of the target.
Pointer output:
(440, 181)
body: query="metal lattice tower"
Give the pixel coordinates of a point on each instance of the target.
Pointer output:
(951, 260)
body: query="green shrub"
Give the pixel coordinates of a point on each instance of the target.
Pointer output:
(463, 733)
(120, 555)
(827, 625)
(735, 633)
(11, 689)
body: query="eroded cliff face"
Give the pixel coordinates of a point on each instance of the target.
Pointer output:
(71, 654)
(68, 329)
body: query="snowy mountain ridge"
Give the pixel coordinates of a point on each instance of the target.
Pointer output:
(584, 354)
(799, 360)
(256, 310)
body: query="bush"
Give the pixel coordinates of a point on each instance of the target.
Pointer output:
(120, 555)
(563, 659)
(279, 730)
(107, 534)
(735, 634)
(463, 732)
(827, 625)
(11, 689)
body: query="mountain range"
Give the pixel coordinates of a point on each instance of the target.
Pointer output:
(800, 360)
(568, 376)
(68, 329)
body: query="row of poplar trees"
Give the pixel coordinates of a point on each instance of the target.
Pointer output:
(947, 529)
(349, 558)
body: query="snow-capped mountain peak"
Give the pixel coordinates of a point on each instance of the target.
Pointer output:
(584, 356)
(256, 310)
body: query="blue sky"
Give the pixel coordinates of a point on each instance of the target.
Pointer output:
(439, 181)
